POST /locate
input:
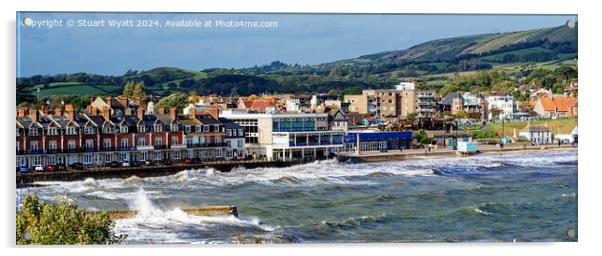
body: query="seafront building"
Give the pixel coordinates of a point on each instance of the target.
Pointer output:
(286, 136)
(120, 131)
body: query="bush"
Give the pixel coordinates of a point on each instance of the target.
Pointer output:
(484, 134)
(62, 224)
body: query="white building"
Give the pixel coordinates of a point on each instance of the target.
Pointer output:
(537, 135)
(504, 103)
(405, 86)
(286, 136)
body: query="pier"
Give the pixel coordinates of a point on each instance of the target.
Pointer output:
(201, 211)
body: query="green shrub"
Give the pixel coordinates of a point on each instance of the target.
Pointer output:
(45, 223)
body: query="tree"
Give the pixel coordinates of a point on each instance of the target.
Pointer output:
(25, 93)
(128, 89)
(411, 117)
(460, 114)
(60, 224)
(138, 90)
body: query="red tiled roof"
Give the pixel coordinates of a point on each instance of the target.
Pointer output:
(261, 104)
(560, 104)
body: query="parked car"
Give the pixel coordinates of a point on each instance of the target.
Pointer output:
(114, 164)
(51, 167)
(135, 163)
(196, 160)
(125, 164)
(187, 161)
(23, 168)
(60, 167)
(76, 166)
(38, 168)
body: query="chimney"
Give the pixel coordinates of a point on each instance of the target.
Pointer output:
(108, 100)
(140, 114)
(33, 114)
(93, 111)
(173, 113)
(70, 112)
(128, 111)
(58, 111)
(123, 100)
(44, 109)
(138, 101)
(193, 112)
(91, 99)
(214, 111)
(22, 112)
(161, 111)
(106, 113)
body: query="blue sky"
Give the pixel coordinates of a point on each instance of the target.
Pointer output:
(299, 38)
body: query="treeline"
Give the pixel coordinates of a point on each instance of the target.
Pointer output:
(83, 78)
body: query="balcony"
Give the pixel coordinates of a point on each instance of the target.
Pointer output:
(178, 146)
(160, 146)
(205, 145)
(127, 149)
(147, 147)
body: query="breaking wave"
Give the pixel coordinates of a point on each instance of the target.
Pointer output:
(152, 224)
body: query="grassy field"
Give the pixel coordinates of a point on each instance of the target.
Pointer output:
(558, 126)
(77, 89)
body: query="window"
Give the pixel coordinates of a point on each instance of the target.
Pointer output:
(174, 127)
(71, 144)
(33, 145)
(141, 128)
(52, 145)
(17, 146)
(87, 158)
(188, 128)
(90, 130)
(106, 143)
(158, 155)
(218, 140)
(216, 127)
(205, 128)
(176, 155)
(144, 156)
(240, 143)
(53, 131)
(158, 128)
(240, 132)
(123, 129)
(141, 142)
(108, 157)
(158, 142)
(175, 140)
(228, 132)
(71, 130)
(33, 132)
(218, 153)
(124, 157)
(51, 159)
(234, 132)
(124, 143)
(89, 144)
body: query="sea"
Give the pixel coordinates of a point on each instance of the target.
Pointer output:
(518, 197)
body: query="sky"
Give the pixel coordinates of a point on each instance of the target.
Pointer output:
(45, 48)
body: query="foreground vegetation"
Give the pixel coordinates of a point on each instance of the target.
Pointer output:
(43, 223)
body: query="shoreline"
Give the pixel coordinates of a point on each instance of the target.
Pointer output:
(29, 179)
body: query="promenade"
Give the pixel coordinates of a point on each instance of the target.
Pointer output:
(395, 155)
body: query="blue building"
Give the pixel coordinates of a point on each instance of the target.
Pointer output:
(377, 141)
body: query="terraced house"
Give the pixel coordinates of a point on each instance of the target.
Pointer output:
(115, 130)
